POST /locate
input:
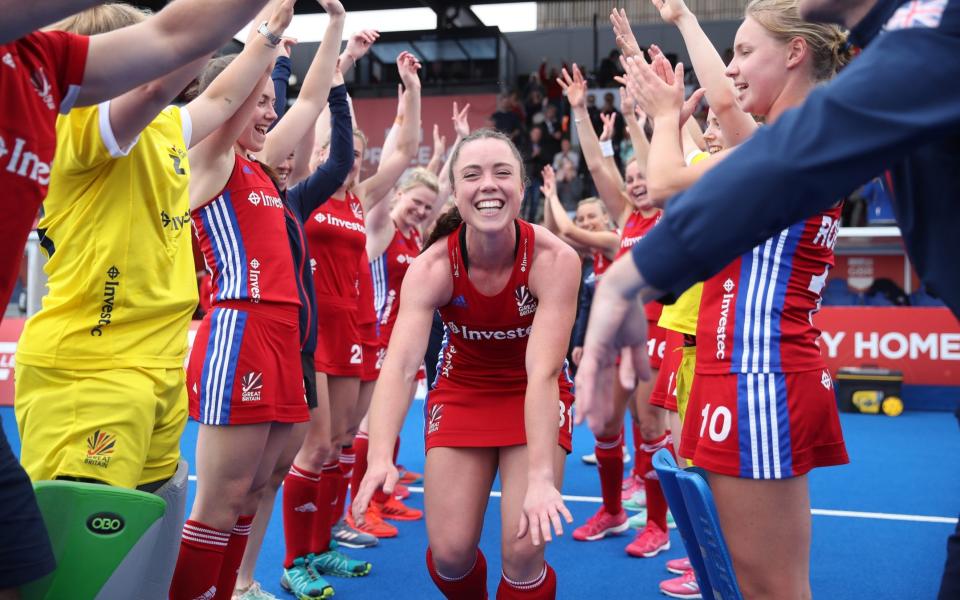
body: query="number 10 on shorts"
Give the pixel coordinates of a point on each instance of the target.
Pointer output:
(719, 422)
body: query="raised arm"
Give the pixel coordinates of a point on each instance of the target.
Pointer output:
(374, 189)
(638, 137)
(609, 121)
(283, 138)
(667, 170)
(180, 33)
(318, 186)
(606, 242)
(721, 95)
(842, 135)
(428, 284)
(554, 279)
(21, 18)
(607, 187)
(225, 94)
(439, 150)
(377, 218)
(358, 45)
(461, 125)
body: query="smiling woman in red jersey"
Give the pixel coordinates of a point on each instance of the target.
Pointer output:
(501, 402)
(761, 411)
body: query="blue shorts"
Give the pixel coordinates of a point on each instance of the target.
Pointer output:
(25, 552)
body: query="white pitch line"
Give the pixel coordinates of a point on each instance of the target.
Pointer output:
(820, 512)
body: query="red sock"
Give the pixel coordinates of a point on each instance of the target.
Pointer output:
(198, 565)
(300, 490)
(232, 557)
(330, 478)
(396, 450)
(656, 502)
(543, 587)
(610, 465)
(360, 446)
(637, 442)
(347, 459)
(471, 586)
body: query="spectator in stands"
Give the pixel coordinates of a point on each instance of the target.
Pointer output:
(569, 185)
(552, 129)
(533, 105)
(566, 153)
(554, 91)
(505, 120)
(609, 68)
(535, 157)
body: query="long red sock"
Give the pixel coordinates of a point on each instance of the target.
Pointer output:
(610, 466)
(637, 442)
(232, 557)
(361, 444)
(198, 564)
(330, 477)
(656, 502)
(300, 491)
(470, 586)
(543, 587)
(347, 459)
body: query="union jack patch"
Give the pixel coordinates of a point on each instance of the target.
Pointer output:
(917, 13)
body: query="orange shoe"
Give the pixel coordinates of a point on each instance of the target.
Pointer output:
(395, 510)
(401, 492)
(373, 524)
(409, 477)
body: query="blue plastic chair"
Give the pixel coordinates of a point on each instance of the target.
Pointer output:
(695, 513)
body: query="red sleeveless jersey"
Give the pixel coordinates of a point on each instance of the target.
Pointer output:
(337, 237)
(42, 73)
(600, 263)
(485, 339)
(634, 229)
(388, 271)
(756, 315)
(243, 237)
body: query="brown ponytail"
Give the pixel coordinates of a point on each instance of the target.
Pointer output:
(446, 224)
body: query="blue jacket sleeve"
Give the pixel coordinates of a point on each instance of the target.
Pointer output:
(281, 80)
(306, 196)
(902, 92)
(583, 313)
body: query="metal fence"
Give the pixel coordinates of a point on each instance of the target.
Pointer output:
(580, 13)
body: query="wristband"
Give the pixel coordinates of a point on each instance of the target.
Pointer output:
(606, 148)
(272, 38)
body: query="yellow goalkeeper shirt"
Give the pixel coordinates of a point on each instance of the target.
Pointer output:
(116, 230)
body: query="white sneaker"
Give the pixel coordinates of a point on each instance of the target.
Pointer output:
(591, 459)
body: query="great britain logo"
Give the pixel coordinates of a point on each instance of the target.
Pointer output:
(100, 446)
(526, 303)
(436, 413)
(252, 385)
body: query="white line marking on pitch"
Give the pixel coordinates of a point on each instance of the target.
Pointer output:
(821, 512)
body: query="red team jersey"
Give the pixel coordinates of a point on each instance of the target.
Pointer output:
(756, 315)
(479, 391)
(337, 237)
(239, 370)
(243, 236)
(762, 404)
(634, 229)
(600, 263)
(40, 76)
(388, 271)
